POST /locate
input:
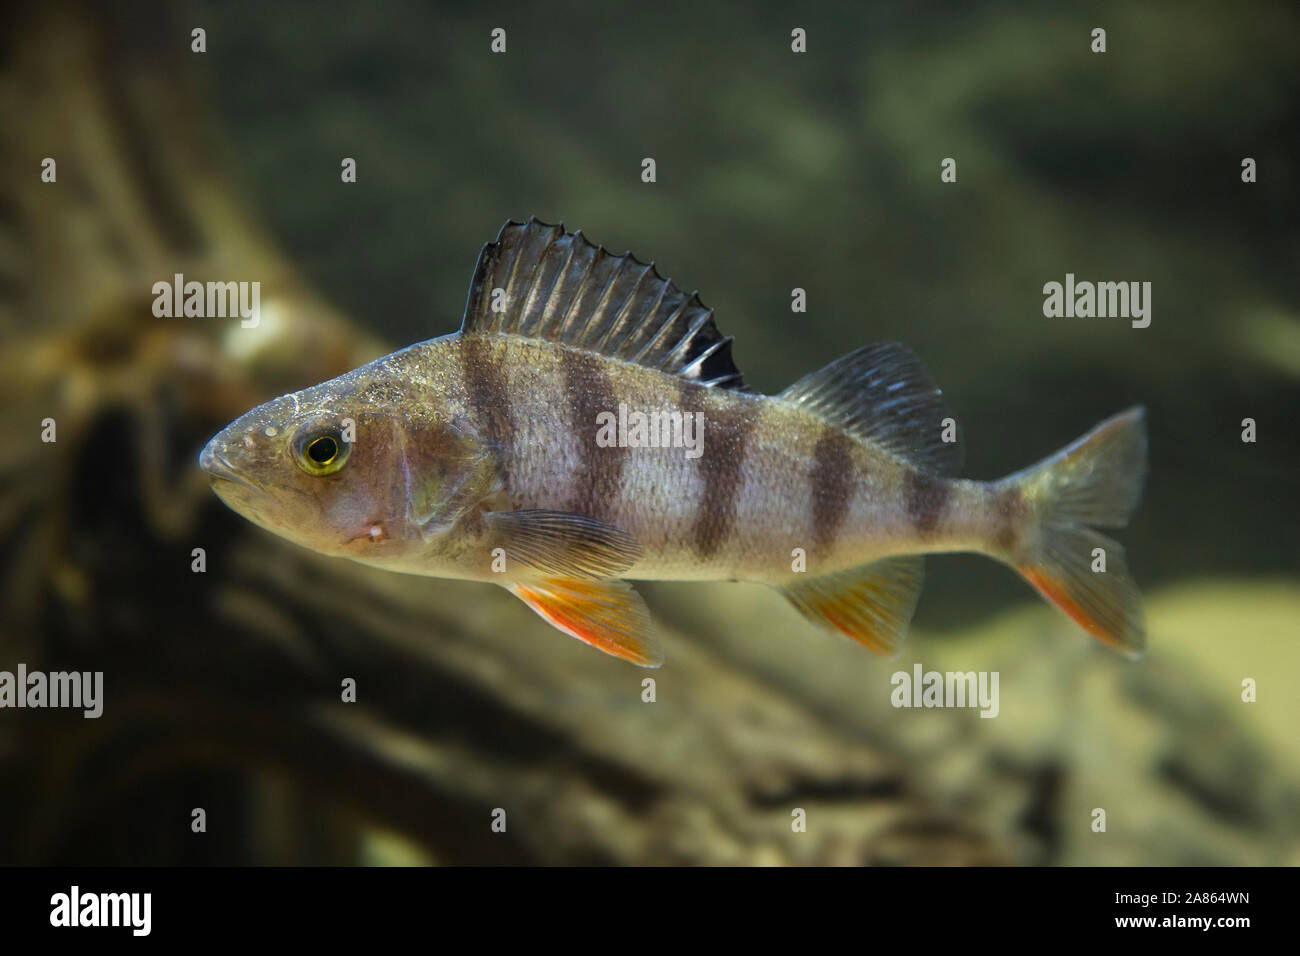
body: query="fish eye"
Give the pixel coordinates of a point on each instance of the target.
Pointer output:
(321, 451)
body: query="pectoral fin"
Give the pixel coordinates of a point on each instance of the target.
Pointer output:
(563, 544)
(608, 615)
(873, 604)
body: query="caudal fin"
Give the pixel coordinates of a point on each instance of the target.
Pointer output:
(1094, 482)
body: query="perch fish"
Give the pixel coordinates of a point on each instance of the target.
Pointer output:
(587, 425)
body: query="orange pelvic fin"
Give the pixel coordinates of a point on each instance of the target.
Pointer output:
(608, 615)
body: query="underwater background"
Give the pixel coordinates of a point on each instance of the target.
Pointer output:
(775, 170)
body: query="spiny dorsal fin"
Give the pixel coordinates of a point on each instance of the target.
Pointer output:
(561, 288)
(882, 393)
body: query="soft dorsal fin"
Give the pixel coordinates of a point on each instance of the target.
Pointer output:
(561, 288)
(882, 393)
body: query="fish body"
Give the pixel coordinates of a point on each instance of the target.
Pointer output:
(587, 426)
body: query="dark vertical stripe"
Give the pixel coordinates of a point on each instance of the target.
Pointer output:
(487, 387)
(832, 481)
(925, 498)
(589, 390)
(727, 430)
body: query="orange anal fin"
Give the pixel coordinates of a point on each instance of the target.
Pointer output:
(608, 615)
(871, 604)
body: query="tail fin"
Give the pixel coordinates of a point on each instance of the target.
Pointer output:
(1096, 481)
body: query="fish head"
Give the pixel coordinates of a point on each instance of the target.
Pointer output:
(354, 467)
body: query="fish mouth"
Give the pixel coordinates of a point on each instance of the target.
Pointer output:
(215, 464)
